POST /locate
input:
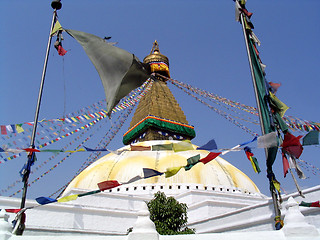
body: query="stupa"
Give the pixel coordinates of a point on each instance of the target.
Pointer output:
(160, 120)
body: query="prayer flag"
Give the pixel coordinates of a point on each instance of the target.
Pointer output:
(10, 210)
(252, 159)
(19, 128)
(277, 105)
(45, 200)
(136, 178)
(95, 150)
(171, 171)
(119, 70)
(162, 147)
(268, 140)
(274, 87)
(312, 204)
(209, 157)
(61, 50)
(108, 184)
(148, 172)
(89, 193)
(211, 145)
(57, 27)
(192, 161)
(140, 148)
(293, 164)
(3, 130)
(31, 150)
(182, 146)
(285, 164)
(68, 198)
(312, 138)
(246, 143)
(292, 145)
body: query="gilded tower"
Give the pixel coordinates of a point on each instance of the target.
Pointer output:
(158, 115)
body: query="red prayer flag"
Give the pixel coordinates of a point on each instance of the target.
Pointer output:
(61, 50)
(108, 184)
(292, 145)
(315, 204)
(31, 150)
(285, 164)
(13, 210)
(3, 130)
(209, 157)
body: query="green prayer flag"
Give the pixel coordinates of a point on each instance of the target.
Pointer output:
(312, 138)
(119, 70)
(162, 147)
(261, 91)
(192, 161)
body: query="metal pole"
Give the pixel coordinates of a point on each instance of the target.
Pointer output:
(56, 5)
(273, 194)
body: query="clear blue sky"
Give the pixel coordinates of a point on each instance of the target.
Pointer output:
(206, 49)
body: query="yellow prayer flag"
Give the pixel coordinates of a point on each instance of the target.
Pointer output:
(57, 27)
(276, 184)
(68, 198)
(172, 171)
(19, 128)
(279, 106)
(183, 146)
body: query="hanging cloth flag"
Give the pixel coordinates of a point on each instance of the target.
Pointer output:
(57, 27)
(209, 157)
(171, 171)
(285, 163)
(252, 159)
(211, 145)
(277, 105)
(274, 87)
(68, 198)
(134, 179)
(140, 148)
(119, 70)
(108, 184)
(293, 165)
(312, 138)
(182, 146)
(312, 204)
(292, 145)
(148, 172)
(162, 147)
(45, 200)
(268, 140)
(191, 161)
(19, 128)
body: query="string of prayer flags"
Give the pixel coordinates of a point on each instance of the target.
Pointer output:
(191, 161)
(209, 157)
(312, 138)
(171, 171)
(268, 140)
(68, 198)
(312, 204)
(148, 172)
(45, 200)
(252, 159)
(211, 145)
(108, 184)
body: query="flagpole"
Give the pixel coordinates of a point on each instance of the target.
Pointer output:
(273, 194)
(56, 5)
